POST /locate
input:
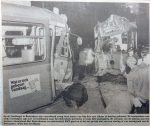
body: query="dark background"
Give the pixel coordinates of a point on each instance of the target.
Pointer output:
(83, 16)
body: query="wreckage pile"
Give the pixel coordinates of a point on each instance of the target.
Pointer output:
(117, 79)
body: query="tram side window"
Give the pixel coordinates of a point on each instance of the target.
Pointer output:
(23, 43)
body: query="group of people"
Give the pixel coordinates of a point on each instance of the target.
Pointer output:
(136, 99)
(136, 70)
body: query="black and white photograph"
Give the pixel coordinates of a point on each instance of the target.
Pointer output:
(62, 57)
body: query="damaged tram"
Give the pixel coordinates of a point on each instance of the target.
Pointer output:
(36, 55)
(113, 38)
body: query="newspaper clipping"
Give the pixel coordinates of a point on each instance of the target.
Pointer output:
(74, 63)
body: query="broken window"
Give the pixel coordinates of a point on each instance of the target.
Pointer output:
(23, 42)
(124, 38)
(61, 43)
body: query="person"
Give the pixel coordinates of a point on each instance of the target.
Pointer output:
(130, 57)
(86, 58)
(138, 85)
(82, 66)
(76, 49)
(89, 59)
(143, 52)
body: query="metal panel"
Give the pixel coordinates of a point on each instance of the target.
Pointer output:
(29, 101)
(34, 12)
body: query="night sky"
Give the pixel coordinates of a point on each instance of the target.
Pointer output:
(83, 16)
